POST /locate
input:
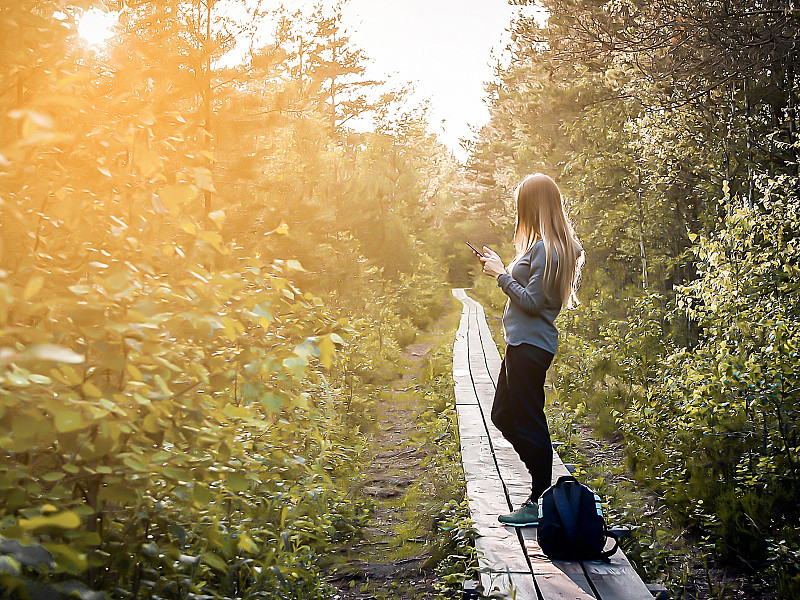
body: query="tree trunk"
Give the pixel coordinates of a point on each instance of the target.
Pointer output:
(641, 228)
(207, 103)
(791, 116)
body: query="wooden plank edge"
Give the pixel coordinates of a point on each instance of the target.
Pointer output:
(519, 586)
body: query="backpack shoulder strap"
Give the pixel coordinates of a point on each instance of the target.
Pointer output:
(566, 505)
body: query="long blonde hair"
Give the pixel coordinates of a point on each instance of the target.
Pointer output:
(541, 215)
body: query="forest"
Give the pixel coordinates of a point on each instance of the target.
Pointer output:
(209, 274)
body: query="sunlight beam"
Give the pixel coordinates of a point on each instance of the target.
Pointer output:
(96, 26)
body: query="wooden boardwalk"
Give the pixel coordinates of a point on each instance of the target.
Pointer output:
(511, 560)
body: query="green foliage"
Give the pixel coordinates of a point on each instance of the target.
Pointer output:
(453, 554)
(456, 550)
(164, 429)
(179, 414)
(713, 428)
(728, 461)
(602, 372)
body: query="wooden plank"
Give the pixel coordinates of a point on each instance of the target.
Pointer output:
(465, 393)
(511, 559)
(498, 546)
(470, 421)
(483, 386)
(511, 466)
(502, 561)
(519, 586)
(460, 362)
(478, 462)
(479, 372)
(460, 293)
(481, 334)
(557, 579)
(617, 579)
(574, 570)
(487, 500)
(485, 392)
(483, 323)
(559, 586)
(492, 354)
(499, 554)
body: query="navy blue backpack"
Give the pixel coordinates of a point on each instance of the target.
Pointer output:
(571, 524)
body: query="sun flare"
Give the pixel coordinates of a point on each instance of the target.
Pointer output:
(96, 26)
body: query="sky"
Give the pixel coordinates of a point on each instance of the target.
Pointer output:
(447, 48)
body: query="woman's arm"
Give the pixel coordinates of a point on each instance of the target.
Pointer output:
(530, 298)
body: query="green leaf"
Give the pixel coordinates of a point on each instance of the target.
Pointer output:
(237, 482)
(33, 287)
(66, 558)
(327, 351)
(91, 390)
(151, 424)
(271, 402)
(174, 474)
(297, 366)
(63, 520)
(117, 493)
(68, 420)
(203, 179)
(176, 197)
(214, 561)
(147, 161)
(295, 265)
(202, 494)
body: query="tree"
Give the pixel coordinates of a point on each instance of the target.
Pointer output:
(167, 425)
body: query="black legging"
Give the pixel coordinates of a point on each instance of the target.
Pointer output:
(518, 411)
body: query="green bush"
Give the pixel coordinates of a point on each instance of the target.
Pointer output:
(165, 432)
(729, 461)
(712, 427)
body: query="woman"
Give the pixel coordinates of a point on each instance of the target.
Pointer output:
(539, 281)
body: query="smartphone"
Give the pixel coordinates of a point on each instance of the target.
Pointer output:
(475, 250)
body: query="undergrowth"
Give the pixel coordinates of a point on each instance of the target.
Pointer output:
(452, 552)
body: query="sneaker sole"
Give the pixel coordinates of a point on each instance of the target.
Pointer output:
(534, 524)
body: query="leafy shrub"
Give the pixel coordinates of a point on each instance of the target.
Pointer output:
(606, 369)
(406, 334)
(725, 412)
(158, 431)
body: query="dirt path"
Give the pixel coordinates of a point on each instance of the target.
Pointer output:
(390, 560)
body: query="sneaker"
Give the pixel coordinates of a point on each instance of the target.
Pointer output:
(525, 516)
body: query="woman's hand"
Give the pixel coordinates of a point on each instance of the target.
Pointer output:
(492, 265)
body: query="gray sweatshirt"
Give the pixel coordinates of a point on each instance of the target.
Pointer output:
(530, 314)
